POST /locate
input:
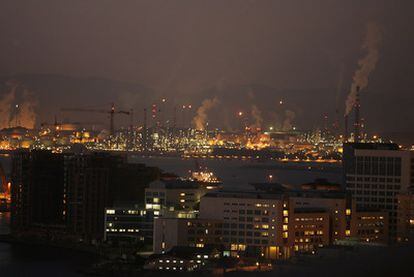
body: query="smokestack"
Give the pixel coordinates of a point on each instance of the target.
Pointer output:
(357, 123)
(145, 133)
(346, 128)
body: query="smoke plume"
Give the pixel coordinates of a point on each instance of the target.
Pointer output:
(27, 110)
(257, 116)
(18, 107)
(365, 65)
(200, 119)
(6, 103)
(287, 123)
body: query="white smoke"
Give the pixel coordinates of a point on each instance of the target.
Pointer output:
(18, 107)
(200, 119)
(27, 110)
(6, 103)
(257, 116)
(365, 65)
(287, 123)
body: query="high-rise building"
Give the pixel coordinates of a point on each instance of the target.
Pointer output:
(376, 174)
(38, 191)
(97, 181)
(69, 192)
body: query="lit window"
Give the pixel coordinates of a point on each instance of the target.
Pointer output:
(348, 211)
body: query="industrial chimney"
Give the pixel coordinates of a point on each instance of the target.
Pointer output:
(346, 128)
(357, 123)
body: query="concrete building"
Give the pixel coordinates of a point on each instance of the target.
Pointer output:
(171, 232)
(254, 223)
(97, 181)
(38, 191)
(64, 195)
(336, 205)
(167, 196)
(274, 222)
(183, 258)
(376, 174)
(405, 224)
(370, 226)
(310, 229)
(128, 224)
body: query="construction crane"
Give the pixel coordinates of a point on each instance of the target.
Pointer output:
(111, 113)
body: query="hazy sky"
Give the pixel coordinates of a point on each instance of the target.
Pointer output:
(179, 48)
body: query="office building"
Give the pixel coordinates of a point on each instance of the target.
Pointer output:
(171, 232)
(175, 196)
(128, 224)
(370, 226)
(376, 174)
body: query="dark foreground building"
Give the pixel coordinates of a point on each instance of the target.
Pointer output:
(38, 190)
(69, 192)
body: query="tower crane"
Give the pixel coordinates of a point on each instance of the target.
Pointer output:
(111, 113)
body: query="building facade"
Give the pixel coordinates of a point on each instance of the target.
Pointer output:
(128, 224)
(405, 224)
(175, 196)
(38, 191)
(68, 192)
(376, 174)
(171, 232)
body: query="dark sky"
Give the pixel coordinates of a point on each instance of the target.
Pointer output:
(184, 48)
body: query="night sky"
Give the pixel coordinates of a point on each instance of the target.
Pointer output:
(89, 53)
